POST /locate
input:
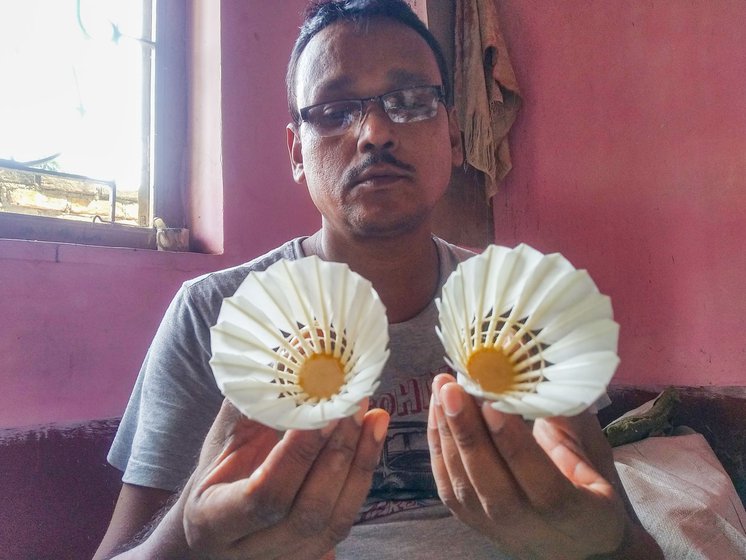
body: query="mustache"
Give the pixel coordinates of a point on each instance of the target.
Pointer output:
(370, 160)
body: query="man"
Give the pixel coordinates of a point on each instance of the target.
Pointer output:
(374, 139)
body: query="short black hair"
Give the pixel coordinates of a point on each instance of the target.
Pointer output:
(321, 13)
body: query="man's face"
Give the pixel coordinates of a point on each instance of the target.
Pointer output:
(378, 178)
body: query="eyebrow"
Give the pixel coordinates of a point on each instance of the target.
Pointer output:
(402, 77)
(336, 86)
(397, 77)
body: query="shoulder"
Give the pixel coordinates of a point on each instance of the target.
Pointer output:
(210, 289)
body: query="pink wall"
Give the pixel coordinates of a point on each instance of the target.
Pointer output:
(628, 157)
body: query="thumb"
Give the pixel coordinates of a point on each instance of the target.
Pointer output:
(567, 453)
(234, 447)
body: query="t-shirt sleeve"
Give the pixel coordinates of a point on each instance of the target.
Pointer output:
(173, 403)
(175, 399)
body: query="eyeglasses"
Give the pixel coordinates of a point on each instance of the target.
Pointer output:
(402, 106)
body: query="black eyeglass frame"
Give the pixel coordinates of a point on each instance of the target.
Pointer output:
(379, 99)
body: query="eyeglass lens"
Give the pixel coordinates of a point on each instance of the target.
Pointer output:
(401, 106)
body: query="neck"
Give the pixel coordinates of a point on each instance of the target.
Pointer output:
(404, 270)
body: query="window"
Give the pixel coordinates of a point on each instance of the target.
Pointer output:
(84, 82)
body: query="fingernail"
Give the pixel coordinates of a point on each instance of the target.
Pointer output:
(329, 428)
(440, 381)
(493, 418)
(380, 428)
(359, 415)
(453, 401)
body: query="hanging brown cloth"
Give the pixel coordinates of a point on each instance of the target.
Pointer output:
(486, 91)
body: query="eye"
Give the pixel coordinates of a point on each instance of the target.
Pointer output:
(331, 115)
(410, 105)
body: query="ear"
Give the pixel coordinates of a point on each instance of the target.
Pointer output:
(454, 132)
(295, 152)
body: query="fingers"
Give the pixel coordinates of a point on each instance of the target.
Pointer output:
(219, 437)
(360, 474)
(313, 466)
(260, 497)
(327, 503)
(234, 448)
(569, 456)
(454, 486)
(326, 483)
(354, 489)
(541, 482)
(477, 441)
(252, 483)
(269, 493)
(534, 494)
(236, 461)
(437, 461)
(467, 446)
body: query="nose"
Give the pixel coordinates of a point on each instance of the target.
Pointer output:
(376, 130)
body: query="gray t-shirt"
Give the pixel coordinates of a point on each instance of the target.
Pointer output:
(175, 401)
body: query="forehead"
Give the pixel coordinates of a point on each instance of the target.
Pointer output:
(346, 60)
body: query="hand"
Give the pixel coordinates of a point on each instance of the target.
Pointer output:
(254, 495)
(535, 495)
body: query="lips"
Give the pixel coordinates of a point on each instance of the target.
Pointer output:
(380, 175)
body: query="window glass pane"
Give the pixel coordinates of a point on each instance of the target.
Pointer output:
(76, 100)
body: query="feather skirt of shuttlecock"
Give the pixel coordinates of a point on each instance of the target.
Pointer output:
(300, 344)
(528, 332)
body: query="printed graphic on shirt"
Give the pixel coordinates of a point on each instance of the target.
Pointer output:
(403, 479)
(407, 399)
(404, 471)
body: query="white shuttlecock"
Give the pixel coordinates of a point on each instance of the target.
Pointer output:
(528, 332)
(300, 344)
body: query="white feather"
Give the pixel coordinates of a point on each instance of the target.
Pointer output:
(547, 316)
(280, 317)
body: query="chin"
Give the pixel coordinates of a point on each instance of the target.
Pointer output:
(389, 228)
